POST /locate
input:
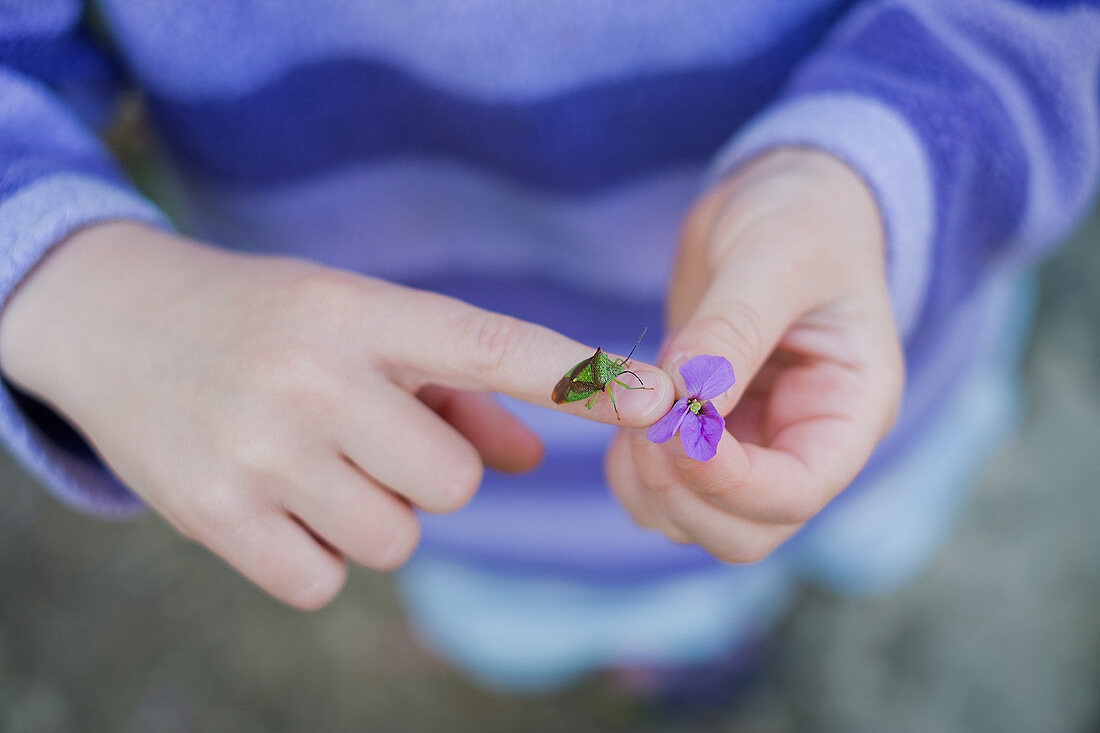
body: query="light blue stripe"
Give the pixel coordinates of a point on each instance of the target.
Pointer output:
(418, 218)
(498, 49)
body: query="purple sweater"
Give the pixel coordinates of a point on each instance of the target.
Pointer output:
(482, 149)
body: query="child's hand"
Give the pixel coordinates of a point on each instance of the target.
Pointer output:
(250, 398)
(780, 270)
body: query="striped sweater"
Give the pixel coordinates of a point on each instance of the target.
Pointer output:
(535, 159)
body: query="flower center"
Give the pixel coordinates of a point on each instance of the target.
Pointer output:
(695, 405)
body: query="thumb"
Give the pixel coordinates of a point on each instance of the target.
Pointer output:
(742, 316)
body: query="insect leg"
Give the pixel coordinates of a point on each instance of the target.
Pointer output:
(592, 400)
(611, 394)
(627, 386)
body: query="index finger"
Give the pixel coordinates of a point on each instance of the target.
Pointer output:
(448, 342)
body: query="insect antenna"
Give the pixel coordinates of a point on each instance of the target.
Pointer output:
(627, 371)
(644, 329)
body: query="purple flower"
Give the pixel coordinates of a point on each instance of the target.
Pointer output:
(699, 424)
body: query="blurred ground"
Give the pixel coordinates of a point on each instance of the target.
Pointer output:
(127, 627)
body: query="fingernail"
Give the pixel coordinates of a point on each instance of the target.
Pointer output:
(650, 403)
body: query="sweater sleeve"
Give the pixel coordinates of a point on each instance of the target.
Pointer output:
(976, 124)
(55, 178)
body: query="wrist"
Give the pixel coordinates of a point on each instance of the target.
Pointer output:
(69, 307)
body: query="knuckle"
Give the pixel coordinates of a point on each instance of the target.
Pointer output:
(398, 545)
(463, 480)
(714, 494)
(317, 592)
(253, 453)
(894, 388)
(800, 507)
(641, 516)
(800, 511)
(677, 535)
(726, 489)
(813, 502)
(725, 493)
(662, 490)
(747, 547)
(756, 553)
(745, 552)
(212, 515)
(490, 342)
(281, 369)
(739, 330)
(326, 292)
(640, 510)
(183, 523)
(293, 374)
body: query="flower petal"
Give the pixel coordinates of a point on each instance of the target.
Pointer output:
(700, 433)
(706, 376)
(667, 426)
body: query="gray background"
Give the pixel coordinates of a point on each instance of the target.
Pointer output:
(127, 627)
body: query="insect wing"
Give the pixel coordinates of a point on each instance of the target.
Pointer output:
(576, 381)
(577, 392)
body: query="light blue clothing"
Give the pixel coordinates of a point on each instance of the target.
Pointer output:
(523, 632)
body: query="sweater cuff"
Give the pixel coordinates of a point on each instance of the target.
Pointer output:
(33, 220)
(883, 149)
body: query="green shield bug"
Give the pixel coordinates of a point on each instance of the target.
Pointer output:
(595, 374)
